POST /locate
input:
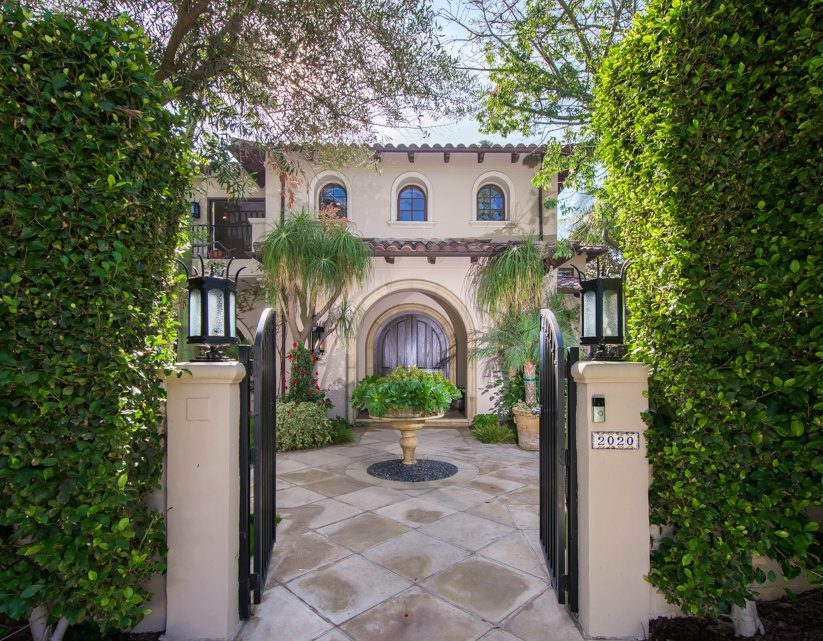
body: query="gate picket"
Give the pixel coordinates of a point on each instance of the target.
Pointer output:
(558, 461)
(257, 462)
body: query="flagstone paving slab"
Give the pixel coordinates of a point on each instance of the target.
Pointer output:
(355, 555)
(486, 588)
(363, 532)
(347, 588)
(296, 496)
(303, 553)
(416, 512)
(543, 619)
(466, 530)
(415, 616)
(281, 615)
(416, 556)
(316, 515)
(500, 635)
(372, 497)
(335, 485)
(457, 497)
(514, 550)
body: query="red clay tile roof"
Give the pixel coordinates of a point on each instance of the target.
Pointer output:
(568, 283)
(463, 247)
(512, 149)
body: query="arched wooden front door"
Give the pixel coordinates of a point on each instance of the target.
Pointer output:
(411, 339)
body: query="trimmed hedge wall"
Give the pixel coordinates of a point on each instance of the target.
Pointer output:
(710, 114)
(93, 180)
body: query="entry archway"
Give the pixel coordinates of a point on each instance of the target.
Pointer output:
(444, 306)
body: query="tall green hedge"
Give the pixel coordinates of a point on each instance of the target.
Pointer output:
(711, 115)
(93, 178)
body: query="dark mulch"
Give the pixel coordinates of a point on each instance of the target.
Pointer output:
(797, 619)
(422, 470)
(19, 631)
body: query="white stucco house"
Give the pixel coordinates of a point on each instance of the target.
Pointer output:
(427, 213)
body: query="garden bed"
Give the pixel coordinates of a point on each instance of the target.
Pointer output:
(797, 619)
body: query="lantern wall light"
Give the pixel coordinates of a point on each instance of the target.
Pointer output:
(212, 309)
(602, 317)
(194, 209)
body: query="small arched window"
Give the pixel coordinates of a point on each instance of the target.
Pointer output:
(491, 203)
(334, 195)
(411, 204)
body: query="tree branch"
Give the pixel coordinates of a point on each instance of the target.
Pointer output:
(186, 19)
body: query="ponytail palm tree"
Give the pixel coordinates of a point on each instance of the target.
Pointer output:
(510, 288)
(515, 343)
(310, 266)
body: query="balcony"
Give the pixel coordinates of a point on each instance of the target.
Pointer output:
(222, 241)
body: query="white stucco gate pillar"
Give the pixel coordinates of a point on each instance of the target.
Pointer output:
(613, 503)
(203, 498)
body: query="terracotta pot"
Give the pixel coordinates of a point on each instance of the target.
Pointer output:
(215, 253)
(528, 430)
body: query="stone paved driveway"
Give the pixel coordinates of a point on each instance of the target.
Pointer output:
(360, 559)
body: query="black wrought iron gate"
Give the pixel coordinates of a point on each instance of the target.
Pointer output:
(257, 462)
(558, 460)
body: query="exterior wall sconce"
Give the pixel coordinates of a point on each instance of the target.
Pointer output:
(318, 334)
(601, 311)
(212, 310)
(194, 209)
(598, 409)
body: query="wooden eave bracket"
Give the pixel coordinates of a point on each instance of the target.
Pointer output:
(432, 259)
(481, 156)
(515, 157)
(447, 156)
(389, 259)
(411, 156)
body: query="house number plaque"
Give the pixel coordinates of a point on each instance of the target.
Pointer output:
(615, 440)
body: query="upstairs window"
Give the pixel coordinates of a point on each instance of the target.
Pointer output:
(491, 203)
(411, 204)
(334, 195)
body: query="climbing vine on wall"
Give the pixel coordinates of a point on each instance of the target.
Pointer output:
(93, 180)
(710, 118)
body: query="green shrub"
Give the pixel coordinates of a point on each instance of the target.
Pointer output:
(488, 429)
(406, 388)
(484, 420)
(341, 431)
(302, 426)
(94, 176)
(711, 114)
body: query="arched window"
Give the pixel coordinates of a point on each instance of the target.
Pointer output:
(334, 195)
(411, 204)
(491, 203)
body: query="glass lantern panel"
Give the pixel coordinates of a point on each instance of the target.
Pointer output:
(232, 315)
(217, 313)
(195, 307)
(611, 313)
(589, 314)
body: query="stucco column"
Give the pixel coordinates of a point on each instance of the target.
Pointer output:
(613, 486)
(203, 477)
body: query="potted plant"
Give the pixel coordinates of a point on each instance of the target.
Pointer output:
(406, 397)
(515, 344)
(408, 392)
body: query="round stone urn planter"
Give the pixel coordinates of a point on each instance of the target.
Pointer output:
(407, 423)
(528, 429)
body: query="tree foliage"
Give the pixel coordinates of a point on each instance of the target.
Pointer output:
(310, 265)
(710, 116)
(93, 176)
(542, 59)
(279, 72)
